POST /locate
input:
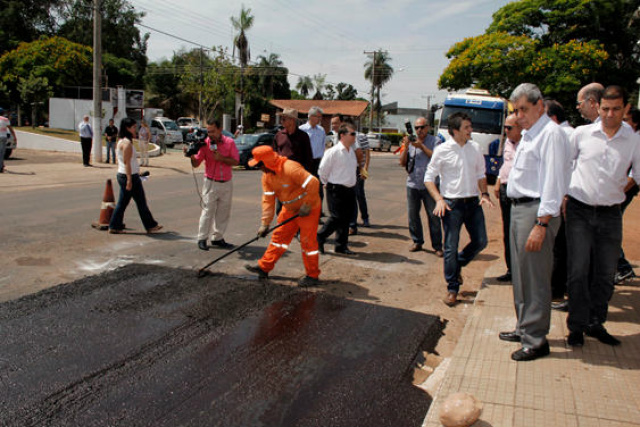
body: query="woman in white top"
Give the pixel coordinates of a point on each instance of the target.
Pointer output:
(143, 140)
(130, 184)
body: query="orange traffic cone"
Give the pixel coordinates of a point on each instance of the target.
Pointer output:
(106, 209)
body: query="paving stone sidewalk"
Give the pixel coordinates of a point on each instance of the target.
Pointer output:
(596, 385)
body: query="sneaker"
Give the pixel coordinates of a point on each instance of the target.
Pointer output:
(256, 269)
(622, 275)
(221, 244)
(308, 281)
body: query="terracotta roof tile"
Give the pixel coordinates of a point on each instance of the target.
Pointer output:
(347, 108)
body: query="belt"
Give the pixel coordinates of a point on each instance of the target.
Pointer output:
(464, 199)
(331, 185)
(216, 180)
(521, 200)
(596, 208)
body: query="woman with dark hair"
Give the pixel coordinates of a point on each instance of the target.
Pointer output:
(129, 179)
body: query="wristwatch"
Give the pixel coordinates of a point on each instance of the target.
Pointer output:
(541, 224)
(486, 194)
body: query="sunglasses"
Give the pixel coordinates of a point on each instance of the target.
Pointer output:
(508, 127)
(353, 133)
(420, 127)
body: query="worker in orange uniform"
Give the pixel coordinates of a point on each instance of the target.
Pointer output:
(297, 190)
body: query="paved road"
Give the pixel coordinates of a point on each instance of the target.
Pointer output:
(132, 337)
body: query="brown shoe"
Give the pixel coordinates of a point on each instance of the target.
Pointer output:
(439, 254)
(416, 247)
(154, 229)
(451, 299)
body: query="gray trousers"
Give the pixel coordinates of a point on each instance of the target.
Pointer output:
(531, 273)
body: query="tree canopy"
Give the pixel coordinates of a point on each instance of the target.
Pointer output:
(559, 45)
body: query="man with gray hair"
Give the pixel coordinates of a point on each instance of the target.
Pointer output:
(317, 136)
(588, 101)
(537, 184)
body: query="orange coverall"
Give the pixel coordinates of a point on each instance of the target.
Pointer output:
(293, 186)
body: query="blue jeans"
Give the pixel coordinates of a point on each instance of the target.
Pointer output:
(111, 151)
(467, 212)
(594, 235)
(415, 199)
(361, 202)
(137, 194)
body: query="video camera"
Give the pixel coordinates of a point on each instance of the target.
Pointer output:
(407, 124)
(197, 141)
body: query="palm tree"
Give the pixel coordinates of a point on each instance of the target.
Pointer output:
(378, 71)
(267, 68)
(304, 86)
(242, 24)
(319, 84)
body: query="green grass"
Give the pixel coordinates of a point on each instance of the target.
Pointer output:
(57, 133)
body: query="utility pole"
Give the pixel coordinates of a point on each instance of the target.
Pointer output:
(373, 79)
(200, 94)
(97, 89)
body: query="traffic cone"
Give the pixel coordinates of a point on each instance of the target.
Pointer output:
(106, 208)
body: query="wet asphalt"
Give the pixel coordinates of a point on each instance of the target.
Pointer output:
(147, 345)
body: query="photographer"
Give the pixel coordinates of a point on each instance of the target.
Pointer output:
(219, 154)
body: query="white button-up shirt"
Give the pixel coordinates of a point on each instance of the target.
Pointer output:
(317, 137)
(459, 168)
(602, 163)
(541, 167)
(338, 166)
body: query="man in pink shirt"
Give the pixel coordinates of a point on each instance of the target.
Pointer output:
(514, 133)
(219, 155)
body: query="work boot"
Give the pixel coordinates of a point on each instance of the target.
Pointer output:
(451, 299)
(256, 269)
(308, 281)
(202, 244)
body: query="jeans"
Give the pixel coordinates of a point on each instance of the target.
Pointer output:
(111, 151)
(137, 194)
(467, 212)
(3, 149)
(361, 201)
(415, 199)
(594, 235)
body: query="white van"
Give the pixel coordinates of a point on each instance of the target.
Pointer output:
(167, 131)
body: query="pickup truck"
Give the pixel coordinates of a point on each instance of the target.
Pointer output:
(186, 125)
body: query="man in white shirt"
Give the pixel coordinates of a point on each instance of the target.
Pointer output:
(86, 138)
(460, 165)
(588, 101)
(317, 137)
(537, 185)
(603, 153)
(337, 172)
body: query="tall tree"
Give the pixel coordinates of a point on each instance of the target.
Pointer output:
(378, 71)
(25, 21)
(240, 42)
(346, 92)
(304, 85)
(319, 82)
(268, 69)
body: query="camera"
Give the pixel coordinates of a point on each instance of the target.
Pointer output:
(197, 141)
(407, 124)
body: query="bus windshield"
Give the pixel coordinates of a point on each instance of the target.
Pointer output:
(483, 120)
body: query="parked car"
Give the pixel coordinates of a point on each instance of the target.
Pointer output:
(11, 145)
(166, 130)
(186, 125)
(247, 142)
(379, 142)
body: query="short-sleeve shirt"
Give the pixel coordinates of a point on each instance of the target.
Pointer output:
(217, 171)
(415, 179)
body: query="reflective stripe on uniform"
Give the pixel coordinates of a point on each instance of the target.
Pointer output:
(269, 193)
(312, 253)
(306, 182)
(294, 200)
(280, 245)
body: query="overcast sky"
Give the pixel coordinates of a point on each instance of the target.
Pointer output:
(330, 36)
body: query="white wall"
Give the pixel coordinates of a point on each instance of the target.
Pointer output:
(68, 113)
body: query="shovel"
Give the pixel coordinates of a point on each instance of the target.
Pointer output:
(202, 272)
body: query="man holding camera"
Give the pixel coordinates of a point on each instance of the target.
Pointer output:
(219, 154)
(415, 158)
(297, 190)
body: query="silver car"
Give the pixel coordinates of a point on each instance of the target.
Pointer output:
(379, 142)
(11, 145)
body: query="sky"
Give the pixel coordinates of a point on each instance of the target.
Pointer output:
(329, 37)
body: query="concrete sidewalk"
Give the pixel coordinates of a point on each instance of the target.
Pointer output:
(596, 385)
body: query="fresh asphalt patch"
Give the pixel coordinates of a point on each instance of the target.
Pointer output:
(152, 346)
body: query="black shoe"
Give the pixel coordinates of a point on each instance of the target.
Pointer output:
(622, 275)
(511, 336)
(575, 339)
(365, 223)
(321, 247)
(308, 281)
(560, 305)
(505, 277)
(221, 244)
(526, 354)
(345, 251)
(598, 332)
(202, 244)
(353, 231)
(256, 269)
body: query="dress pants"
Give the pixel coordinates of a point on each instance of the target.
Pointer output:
(361, 202)
(216, 197)
(531, 275)
(594, 235)
(341, 201)
(505, 210)
(283, 235)
(85, 143)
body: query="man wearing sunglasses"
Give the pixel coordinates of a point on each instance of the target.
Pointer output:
(337, 172)
(415, 158)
